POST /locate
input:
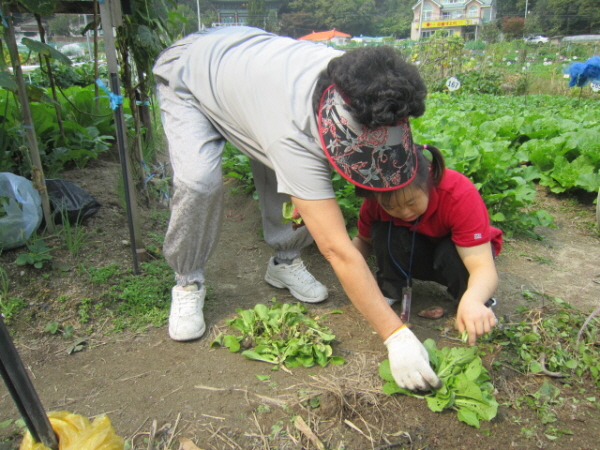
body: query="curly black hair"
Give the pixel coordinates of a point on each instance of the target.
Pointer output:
(381, 87)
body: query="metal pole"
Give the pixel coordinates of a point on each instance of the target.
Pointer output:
(23, 393)
(421, 20)
(200, 26)
(110, 13)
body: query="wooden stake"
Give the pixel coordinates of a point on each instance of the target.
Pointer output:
(37, 173)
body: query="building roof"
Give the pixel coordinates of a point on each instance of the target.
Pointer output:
(323, 35)
(441, 4)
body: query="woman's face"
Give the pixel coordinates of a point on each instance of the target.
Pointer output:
(407, 204)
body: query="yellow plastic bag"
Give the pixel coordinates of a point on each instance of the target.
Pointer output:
(75, 432)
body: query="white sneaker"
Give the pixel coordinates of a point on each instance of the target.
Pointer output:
(186, 321)
(297, 279)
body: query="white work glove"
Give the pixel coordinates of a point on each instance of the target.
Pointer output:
(409, 362)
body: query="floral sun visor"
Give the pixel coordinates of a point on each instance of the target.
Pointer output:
(378, 159)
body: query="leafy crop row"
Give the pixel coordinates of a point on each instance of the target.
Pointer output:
(85, 131)
(506, 145)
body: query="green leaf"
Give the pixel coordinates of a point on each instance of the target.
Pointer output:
(41, 7)
(283, 334)
(486, 410)
(7, 81)
(385, 371)
(251, 354)
(337, 360)
(390, 388)
(474, 369)
(288, 213)
(232, 343)
(438, 403)
(45, 49)
(262, 312)
(535, 367)
(466, 387)
(469, 417)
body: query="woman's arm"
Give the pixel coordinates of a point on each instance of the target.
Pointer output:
(409, 361)
(472, 315)
(324, 220)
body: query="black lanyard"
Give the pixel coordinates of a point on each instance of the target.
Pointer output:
(406, 291)
(412, 252)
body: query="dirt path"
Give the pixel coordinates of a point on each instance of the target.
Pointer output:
(214, 397)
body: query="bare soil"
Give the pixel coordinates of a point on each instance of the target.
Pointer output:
(156, 391)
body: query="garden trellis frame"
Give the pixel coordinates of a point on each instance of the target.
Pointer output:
(111, 17)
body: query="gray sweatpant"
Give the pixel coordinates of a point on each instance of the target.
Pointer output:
(195, 150)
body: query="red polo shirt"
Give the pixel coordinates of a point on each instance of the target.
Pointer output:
(455, 209)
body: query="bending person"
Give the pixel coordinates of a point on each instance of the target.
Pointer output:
(297, 109)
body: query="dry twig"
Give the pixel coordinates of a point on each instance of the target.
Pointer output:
(586, 323)
(301, 426)
(262, 435)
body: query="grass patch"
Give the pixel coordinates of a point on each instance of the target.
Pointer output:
(74, 236)
(136, 301)
(556, 340)
(10, 306)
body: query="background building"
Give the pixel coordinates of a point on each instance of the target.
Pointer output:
(333, 37)
(461, 17)
(235, 12)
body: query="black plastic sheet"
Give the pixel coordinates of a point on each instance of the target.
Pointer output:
(70, 201)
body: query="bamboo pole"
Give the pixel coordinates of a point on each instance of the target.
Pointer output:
(37, 172)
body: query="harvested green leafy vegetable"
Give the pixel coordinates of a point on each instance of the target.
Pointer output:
(466, 383)
(282, 334)
(290, 214)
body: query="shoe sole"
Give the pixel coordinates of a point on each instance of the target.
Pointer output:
(189, 338)
(276, 283)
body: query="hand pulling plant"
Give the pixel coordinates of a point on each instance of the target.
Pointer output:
(281, 335)
(466, 384)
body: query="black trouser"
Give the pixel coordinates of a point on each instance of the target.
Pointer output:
(431, 261)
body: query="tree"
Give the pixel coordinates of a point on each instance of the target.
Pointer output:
(513, 27)
(590, 10)
(272, 23)
(557, 17)
(300, 17)
(512, 8)
(257, 16)
(490, 33)
(354, 17)
(62, 24)
(394, 18)
(181, 21)
(568, 17)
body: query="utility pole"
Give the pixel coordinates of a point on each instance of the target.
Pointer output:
(421, 20)
(200, 26)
